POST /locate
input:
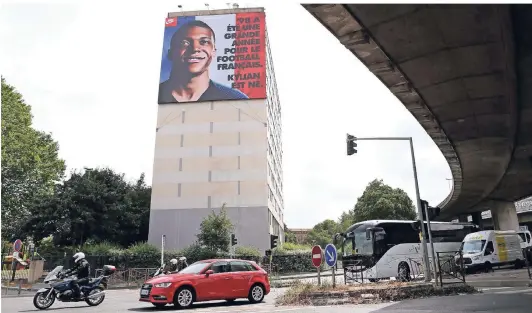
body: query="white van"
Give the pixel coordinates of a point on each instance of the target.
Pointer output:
(488, 248)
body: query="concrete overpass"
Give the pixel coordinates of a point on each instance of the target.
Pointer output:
(465, 73)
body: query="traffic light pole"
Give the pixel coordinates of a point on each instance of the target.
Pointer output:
(418, 200)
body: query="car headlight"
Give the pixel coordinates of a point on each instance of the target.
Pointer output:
(476, 258)
(163, 285)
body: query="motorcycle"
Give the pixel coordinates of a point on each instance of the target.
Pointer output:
(159, 271)
(61, 289)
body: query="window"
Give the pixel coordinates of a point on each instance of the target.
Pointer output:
(489, 248)
(240, 266)
(528, 238)
(220, 267)
(194, 268)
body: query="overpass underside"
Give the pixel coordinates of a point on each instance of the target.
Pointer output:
(465, 73)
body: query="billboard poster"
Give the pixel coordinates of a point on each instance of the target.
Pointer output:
(213, 57)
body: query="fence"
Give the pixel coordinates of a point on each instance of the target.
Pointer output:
(450, 268)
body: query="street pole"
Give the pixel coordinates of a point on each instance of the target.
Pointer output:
(420, 216)
(434, 268)
(418, 200)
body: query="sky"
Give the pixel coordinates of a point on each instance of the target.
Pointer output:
(90, 71)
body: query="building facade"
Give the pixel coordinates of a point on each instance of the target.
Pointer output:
(211, 153)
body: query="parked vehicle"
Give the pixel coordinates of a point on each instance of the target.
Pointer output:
(219, 279)
(61, 289)
(382, 249)
(488, 248)
(526, 242)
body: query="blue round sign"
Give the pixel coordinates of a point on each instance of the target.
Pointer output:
(330, 255)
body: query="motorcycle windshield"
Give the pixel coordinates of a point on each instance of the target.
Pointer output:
(53, 274)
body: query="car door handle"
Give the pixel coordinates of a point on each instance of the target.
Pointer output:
(227, 278)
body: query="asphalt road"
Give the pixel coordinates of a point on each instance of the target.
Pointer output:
(492, 300)
(119, 301)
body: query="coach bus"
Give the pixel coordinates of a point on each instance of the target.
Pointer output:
(381, 249)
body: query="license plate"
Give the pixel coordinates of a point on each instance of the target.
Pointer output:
(144, 292)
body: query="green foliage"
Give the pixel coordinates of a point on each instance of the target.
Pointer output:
(143, 255)
(30, 162)
(323, 233)
(290, 237)
(290, 248)
(379, 201)
(215, 231)
(103, 248)
(247, 251)
(94, 206)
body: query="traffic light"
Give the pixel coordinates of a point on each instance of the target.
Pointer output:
(268, 252)
(351, 144)
(273, 241)
(234, 241)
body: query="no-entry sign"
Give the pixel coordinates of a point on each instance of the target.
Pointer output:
(17, 245)
(317, 256)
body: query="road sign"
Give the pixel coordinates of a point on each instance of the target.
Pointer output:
(317, 256)
(17, 245)
(330, 255)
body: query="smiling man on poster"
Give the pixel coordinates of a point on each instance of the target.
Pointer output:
(192, 49)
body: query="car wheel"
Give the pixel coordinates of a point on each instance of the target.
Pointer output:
(184, 297)
(256, 293)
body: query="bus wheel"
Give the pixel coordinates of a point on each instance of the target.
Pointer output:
(403, 272)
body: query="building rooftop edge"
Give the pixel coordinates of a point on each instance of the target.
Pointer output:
(215, 12)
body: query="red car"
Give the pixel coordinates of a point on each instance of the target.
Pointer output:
(208, 280)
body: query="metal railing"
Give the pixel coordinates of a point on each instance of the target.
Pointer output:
(450, 267)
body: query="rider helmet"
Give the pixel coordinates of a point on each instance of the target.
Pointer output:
(78, 257)
(173, 261)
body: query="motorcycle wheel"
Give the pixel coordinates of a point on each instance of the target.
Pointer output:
(95, 301)
(40, 301)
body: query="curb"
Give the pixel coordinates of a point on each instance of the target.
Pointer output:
(500, 283)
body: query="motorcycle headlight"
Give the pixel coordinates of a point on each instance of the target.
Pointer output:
(163, 285)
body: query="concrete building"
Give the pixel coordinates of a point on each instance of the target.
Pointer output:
(214, 152)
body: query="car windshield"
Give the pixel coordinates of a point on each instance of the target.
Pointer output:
(522, 235)
(473, 246)
(194, 268)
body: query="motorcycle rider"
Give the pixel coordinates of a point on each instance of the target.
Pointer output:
(172, 267)
(82, 271)
(182, 263)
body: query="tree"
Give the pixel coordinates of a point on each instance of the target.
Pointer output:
(215, 231)
(288, 235)
(30, 162)
(380, 201)
(96, 205)
(322, 233)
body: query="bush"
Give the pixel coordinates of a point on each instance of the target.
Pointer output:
(247, 252)
(287, 259)
(142, 255)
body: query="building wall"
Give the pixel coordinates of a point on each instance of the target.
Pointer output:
(207, 154)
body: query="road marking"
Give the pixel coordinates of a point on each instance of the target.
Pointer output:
(494, 288)
(513, 292)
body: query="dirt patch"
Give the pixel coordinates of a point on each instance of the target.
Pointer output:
(309, 294)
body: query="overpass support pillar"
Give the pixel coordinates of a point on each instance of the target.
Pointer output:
(477, 219)
(504, 216)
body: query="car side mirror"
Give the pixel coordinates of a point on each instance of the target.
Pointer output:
(209, 272)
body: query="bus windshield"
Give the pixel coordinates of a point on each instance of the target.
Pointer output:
(357, 242)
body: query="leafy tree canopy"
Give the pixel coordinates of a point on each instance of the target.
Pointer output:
(322, 234)
(30, 162)
(380, 201)
(215, 231)
(93, 206)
